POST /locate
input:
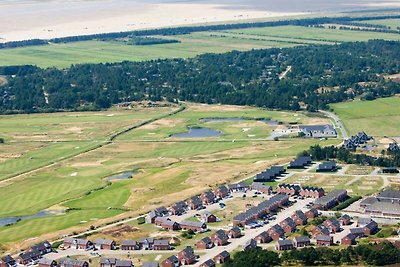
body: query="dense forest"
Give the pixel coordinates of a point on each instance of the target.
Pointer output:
(190, 29)
(320, 74)
(370, 254)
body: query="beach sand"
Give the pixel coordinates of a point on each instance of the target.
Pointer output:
(44, 19)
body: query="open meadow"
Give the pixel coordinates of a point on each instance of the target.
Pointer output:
(95, 51)
(164, 169)
(379, 117)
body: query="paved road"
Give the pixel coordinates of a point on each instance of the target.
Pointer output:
(251, 233)
(337, 121)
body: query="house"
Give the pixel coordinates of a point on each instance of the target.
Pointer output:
(358, 232)
(312, 213)
(222, 257)
(193, 226)
(331, 199)
(234, 232)
(124, 263)
(77, 243)
(194, 203)
(301, 241)
(187, 256)
(130, 245)
(146, 243)
(161, 212)
(239, 187)
(288, 189)
(288, 225)
(205, 243)
(161, 244)
(370, 228)
(43, 248)
(276, 232)
(29, 257)
(178, 208)
(286, 244)
(327, 166)
(171, 261)
(106, 244)
(318, 131)
(333, 225)
(324, 240)
(47, 263)
(265, 176)
(312, 192)
(363, 221)
(221, 192)
(260, 187)
(219, 238)
(262, 238)
(345, 219)
(8, 261)
(251, 244)
(320, 230)
(68, 262)
(150, 217)
(389, 195)
(108, 262)
(166, 223)
(300, 162)
(348, 240)
(207, 197)
(150, 264)
(207, 217)
(208, 263)
(299, 217)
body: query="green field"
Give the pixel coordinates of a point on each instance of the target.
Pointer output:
(379, 117)
(63, 55)
(168, 169)
(392, 23)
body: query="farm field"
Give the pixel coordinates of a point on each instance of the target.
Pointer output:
(63, 55)
(166, 169)
(392, 23)
(377, 117)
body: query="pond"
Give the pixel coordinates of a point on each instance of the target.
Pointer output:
(121, 176)
(41, 214)
(198, 133)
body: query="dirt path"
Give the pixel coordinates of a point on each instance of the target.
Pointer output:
(283, 74)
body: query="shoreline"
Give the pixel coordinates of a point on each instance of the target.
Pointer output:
(150, 16)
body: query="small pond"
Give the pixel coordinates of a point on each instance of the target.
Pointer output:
(121, 176)
(41, 214)
(198, 133)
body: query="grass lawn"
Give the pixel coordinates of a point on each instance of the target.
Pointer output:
(169, 170)
(392, 23)
(376, 118)
(63, 55)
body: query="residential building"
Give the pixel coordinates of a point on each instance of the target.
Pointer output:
(171, 261)
(299, 217)
(263, 237)
(193, 226)
(222, 257)
(161, 244)
(324, 240)
(348, 240)
(330, 200)
(68, 262)
(205, 243)
(130, 245)
(285, 244)
(77, 243)
(105, 244)
(208, 263)
(219, 238)
(250, 244)
(234, 232)
(187, 256)
(260, 187)
(312, 192)
(302, 241)
(47, 263)
(327, 166)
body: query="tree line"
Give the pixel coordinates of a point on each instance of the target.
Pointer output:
(374, 254)
(240, 78)
(191, 29)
